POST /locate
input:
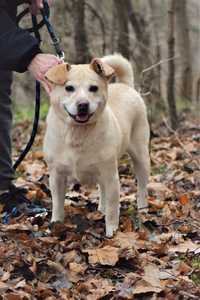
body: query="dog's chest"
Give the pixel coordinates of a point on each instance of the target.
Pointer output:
(84, 172)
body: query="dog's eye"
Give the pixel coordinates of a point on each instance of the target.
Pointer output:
(93, 88)
(70, 88)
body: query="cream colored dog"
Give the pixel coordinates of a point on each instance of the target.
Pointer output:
(90, 124)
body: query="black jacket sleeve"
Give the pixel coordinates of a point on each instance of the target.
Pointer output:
(17, 46)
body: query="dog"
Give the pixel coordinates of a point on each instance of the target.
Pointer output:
(90, 124)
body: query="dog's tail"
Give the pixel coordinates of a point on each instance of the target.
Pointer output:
(122, 67)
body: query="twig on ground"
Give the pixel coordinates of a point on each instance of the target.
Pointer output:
(188, 295)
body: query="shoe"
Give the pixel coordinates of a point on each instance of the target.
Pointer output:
(3, 192)
(15, 203)
(12, 198)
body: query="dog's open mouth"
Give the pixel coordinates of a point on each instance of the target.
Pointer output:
(79, 118)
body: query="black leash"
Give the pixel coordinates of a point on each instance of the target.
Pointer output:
(45, 12)
(56, 42)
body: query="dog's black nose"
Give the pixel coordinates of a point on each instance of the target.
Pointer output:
(83, 108)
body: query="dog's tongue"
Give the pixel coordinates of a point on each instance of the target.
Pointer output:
(82, 118)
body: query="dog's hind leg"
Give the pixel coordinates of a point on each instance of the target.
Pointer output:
(109, 181)
(57, 182)
(139, 152)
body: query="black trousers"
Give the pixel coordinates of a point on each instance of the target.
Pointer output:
(6, 170)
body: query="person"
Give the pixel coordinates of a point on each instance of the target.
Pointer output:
(19, 51)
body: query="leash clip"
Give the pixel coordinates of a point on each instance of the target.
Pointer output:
(62, 56)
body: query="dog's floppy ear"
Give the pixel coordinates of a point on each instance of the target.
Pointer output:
(102, 69)
(58, 74)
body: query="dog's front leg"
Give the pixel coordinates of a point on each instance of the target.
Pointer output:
(102, 199)
(109, 183)
(57, 182)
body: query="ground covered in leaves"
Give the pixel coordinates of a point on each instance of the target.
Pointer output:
(154, 256)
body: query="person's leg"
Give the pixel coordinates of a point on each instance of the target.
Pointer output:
(6, 170)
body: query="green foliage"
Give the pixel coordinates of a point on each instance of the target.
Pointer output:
(27, 113)
(161, 169)
(196, 263)
(183, 104)
(196, 278)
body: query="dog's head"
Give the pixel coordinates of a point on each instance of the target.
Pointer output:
(79, 92)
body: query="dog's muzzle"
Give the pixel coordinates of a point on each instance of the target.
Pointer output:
(82, 115)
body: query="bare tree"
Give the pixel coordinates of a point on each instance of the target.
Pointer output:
(184, 47)
(171, 67)
(123, 37)
(96, 15)
(80, 35)
(139, 26)
(156, 32)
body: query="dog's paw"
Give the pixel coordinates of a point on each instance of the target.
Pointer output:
(101, 209)
(143, 210)
(57, 217)
(110, 230)
(52, 224)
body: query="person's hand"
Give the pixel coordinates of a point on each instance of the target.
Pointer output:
(36, 5)
(40, 64)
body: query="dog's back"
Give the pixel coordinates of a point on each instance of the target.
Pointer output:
(124, 101)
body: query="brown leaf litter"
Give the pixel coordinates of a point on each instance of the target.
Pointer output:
(153, 256)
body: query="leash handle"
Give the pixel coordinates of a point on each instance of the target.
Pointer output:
(55, 39)
(45, 12)
(30, 29)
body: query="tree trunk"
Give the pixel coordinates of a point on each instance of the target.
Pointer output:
(156, 32)
(80, 36)
(171, 67)
(123, 38)
(184, 46)
(138, 24)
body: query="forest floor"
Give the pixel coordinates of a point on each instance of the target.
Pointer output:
(153, 256)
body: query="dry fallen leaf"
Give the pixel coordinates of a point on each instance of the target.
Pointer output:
(143, 287)
(155, 204)
(183, 199)
(104, 256)
(5, 276)
(158, 187)
(39, 263)
(95, 288)
(183, 268)
(151, 275)
(126, 239)
(187, 246)
(17, 226)
(77, 267)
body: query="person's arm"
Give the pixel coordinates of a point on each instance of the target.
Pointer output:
(19, 51)
(17, 46)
